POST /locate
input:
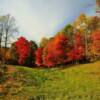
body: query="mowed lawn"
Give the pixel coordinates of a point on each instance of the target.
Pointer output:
(77, 82)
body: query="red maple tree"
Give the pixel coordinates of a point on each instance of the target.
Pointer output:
(77, 51)
(55, 52)
(23, 50)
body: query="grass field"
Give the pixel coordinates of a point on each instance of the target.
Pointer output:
(78, 82)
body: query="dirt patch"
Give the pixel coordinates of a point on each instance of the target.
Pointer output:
(10, 69)
(94, 73)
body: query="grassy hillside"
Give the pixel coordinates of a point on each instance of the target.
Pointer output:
(79, 82)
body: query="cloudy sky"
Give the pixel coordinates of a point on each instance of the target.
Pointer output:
(39, 18)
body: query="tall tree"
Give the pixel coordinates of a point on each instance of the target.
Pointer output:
(82, 25)
(77, 51)
(1, 33)
(23, 50)
(95, 46)
(56, 51)
(8, 29)
(31, 58)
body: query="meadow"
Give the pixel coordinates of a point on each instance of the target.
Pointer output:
(77, 82)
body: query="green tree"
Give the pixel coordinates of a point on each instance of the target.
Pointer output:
(31, 58)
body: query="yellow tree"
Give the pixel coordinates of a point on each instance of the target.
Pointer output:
(44, 41)
(95, 46)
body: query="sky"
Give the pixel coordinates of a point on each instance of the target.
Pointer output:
(44, 18)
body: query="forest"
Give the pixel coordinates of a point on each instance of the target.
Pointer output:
(78, 42)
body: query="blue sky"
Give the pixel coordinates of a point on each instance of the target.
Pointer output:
(39, 18)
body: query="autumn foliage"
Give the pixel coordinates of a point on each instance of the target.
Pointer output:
(95, 46)
(59, 50)
(55, 52)
(77, 51)
(74, 43)
(23, 49)
(38, 54)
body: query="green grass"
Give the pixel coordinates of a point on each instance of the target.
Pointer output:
(79, 82)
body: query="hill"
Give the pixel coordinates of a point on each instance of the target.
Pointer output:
(78, 82)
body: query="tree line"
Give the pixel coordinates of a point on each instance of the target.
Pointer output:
(78, 42)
